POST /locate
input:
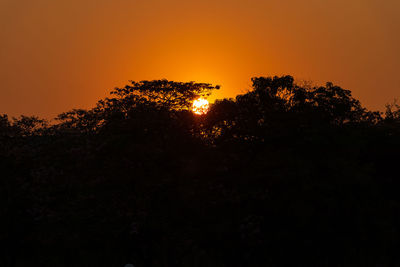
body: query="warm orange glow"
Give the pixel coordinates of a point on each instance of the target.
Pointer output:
(200, 106)
(218, 42)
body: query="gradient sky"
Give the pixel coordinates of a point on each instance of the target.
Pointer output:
(56, 55)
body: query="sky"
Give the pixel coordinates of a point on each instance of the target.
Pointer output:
(65, 54)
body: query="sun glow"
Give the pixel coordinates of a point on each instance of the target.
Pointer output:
(200, 106)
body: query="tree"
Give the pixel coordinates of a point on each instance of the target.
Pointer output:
(136, 102)
(278, 106)
(163, 93)
(287, 169)
(392, 113)
(22, 126)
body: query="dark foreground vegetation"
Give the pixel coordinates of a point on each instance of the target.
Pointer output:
(282, 175)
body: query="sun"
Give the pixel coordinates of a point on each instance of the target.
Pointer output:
(200, 106)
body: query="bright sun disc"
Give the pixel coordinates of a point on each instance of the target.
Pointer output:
(200, 106)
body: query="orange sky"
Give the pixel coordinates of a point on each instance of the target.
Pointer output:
(56, 55)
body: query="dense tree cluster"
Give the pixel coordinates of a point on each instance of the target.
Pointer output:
(285, 174)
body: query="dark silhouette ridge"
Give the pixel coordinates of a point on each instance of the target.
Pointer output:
(282, 175)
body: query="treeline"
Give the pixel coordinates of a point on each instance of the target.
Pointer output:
(285, 174)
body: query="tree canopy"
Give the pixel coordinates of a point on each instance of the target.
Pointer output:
(285, 174)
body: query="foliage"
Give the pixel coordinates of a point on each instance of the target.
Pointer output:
(392, 112)
(164, 93)
(285, 174)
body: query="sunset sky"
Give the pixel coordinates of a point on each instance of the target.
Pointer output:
(56, 55)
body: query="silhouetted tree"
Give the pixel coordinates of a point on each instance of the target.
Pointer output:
(278, 105)
(285, 174)
(164, 93)
(392, 113)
